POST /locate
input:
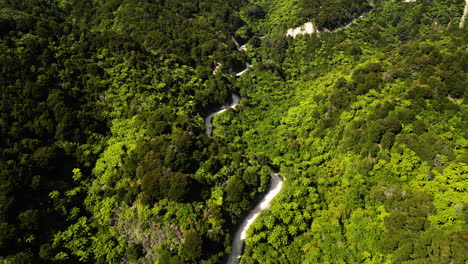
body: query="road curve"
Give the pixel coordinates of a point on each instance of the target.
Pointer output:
(238, 241)
(209, 118)
(275, 187)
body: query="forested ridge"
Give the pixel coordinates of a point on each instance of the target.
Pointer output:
(104, 157)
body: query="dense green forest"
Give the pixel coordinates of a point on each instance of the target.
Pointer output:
(104, 157)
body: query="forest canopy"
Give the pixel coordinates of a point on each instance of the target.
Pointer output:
(104, 156)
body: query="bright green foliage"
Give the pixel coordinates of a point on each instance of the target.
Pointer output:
(367, 124)
(117, 89)
(104, 157)
(76, 239)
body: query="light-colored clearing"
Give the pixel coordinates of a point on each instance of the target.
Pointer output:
(307, 28)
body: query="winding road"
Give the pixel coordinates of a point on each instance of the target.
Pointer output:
(238, 241)
(247, 66)
(276, 183)
(465, 13)
(209, 118)
(275, 187)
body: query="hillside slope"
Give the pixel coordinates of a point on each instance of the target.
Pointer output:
(369, 126)
(104, 156)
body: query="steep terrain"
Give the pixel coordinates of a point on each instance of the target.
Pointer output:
(105, 157)
(369, 125)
